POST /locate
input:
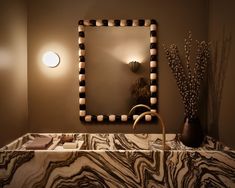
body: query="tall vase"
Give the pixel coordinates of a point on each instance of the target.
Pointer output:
(192, 133)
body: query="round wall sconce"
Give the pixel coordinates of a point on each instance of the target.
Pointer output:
(51, 59)
(134, 66)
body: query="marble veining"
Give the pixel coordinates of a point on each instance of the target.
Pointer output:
(117, 160)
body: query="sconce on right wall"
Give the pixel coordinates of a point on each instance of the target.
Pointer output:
(134, 66)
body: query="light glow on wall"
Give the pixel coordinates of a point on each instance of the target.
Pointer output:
(131, 51)
(5, 58)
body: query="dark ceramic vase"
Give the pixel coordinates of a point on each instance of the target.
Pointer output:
(192, 133)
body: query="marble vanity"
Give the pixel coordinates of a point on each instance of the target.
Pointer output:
(116, 160)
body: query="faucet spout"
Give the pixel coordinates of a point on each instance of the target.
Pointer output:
(137, 106)
(161, 121)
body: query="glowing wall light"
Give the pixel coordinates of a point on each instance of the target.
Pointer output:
(134, 66)
(51, 59)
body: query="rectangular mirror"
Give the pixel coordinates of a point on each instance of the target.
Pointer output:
(109, 84)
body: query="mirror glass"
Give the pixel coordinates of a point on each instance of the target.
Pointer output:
(108, 75)
(109, 85)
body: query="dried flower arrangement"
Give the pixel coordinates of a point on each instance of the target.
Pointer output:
(140, 91)
(189, 77)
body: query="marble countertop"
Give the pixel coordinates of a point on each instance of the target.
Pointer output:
(115, 141)
(116, 160)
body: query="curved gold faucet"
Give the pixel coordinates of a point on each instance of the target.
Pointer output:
(161, 121)
(137, 106)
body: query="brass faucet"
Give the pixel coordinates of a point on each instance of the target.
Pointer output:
(162, 124)
(139, 105)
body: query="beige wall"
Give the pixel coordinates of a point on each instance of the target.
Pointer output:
(222, 16)
(13, 70)
(53, 93)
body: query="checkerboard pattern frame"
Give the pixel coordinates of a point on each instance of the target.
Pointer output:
(152, 24)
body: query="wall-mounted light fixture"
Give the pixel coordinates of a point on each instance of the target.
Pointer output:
(134, 66)
(51, 59)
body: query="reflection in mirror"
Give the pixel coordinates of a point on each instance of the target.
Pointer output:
(109, 78)
(111, 88)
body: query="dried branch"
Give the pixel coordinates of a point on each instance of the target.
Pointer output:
(188, 81)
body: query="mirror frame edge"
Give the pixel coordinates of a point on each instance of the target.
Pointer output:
(152, 24)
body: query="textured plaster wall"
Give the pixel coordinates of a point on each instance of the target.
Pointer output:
(48, 100)
(222, 17)
(52, 25)
(13, 70)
